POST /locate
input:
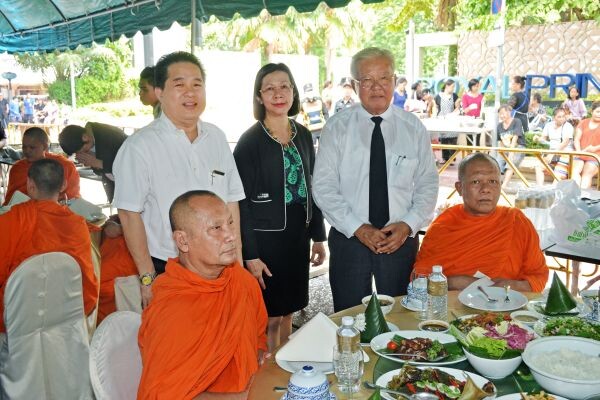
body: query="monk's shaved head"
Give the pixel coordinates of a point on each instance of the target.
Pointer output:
(182, 213)
(48, 176)
(37, 134)
(474, 157)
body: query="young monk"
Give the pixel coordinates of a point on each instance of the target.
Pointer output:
(41, 225)
(204, 333)
(35, 147)
(480, 236)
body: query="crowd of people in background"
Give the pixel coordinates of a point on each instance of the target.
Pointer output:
(28, 109)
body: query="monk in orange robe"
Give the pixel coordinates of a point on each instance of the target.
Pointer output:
(35, 147)
(41, 225)
(116, 262)
(480, 236)
(204, 333)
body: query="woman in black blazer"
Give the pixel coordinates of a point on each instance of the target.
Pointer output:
(275, 159)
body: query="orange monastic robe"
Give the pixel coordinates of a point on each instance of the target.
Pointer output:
(201, 335)
(17, 179)
(116, 262)
(503, 244)
(44, 226)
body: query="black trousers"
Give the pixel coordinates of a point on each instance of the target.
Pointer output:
(159, 265)
(352, 266)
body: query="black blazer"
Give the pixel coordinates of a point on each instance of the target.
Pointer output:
(259, 160)
(108, 140)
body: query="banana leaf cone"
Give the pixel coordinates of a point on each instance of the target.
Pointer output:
(560, 300)
(375, 323)
(376, 395)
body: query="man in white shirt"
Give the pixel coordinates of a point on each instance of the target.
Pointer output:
(374, 223)
(175, 153)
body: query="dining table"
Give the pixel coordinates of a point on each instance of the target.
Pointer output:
(271, 377)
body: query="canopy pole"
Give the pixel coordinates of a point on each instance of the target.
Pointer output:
(194, 27)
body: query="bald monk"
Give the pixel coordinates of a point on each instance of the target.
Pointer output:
(479, 235)
(41, 225)
(35, 147)
(203, 336)
(116, 262)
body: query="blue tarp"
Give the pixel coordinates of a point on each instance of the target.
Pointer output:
(46, 25)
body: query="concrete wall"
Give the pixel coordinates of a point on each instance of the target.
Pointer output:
(535, 49)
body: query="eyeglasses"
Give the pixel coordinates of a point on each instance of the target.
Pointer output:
(285, 88)
(384, 81)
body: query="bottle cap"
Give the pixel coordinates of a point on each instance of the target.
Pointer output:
(348, 321)
(436, 268)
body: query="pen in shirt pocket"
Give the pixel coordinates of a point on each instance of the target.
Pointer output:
(399, 159)
(215, 172)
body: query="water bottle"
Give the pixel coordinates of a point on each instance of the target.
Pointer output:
(348, 357)
(437, 290)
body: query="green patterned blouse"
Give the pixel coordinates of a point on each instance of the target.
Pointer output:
(295, 185)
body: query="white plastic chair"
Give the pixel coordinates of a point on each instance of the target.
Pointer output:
(46, 350)
(115, 359)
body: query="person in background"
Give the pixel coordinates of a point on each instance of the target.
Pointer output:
(447, 103)
(558, 135)
(376, 183)
(175, 153)
(415, 90)
(346, 101)
(96, 146)
(587, 138)
(479, 235)
(536, 116)
(472, 104)
(518, 101)
(35, 147)
(313, 113)
(275, 158)
(400, 94)
(510, 135)
(3, 111)
(327, 95)
(576, 106)
(14, 112)
(28, 109)
(422, 105)
(147, 95)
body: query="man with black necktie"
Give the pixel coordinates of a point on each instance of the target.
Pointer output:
(375, 181)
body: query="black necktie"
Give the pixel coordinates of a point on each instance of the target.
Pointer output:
(379, 207)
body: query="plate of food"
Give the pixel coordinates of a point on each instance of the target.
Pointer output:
(467, 322)
(418, 347)
(568, 326)
(531, 396)
(448, 383)
(474, 298)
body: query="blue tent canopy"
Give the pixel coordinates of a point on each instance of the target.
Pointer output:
(46, 25)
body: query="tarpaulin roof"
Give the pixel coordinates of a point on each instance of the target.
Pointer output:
(46, 25)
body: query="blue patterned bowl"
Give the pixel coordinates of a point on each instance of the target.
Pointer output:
(308, 384)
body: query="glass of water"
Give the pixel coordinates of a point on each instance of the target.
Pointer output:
(348, 367)
(418, 283)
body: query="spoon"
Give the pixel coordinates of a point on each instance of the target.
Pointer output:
(418, 356)
(507, 289)
(416, 396)
(486, 295)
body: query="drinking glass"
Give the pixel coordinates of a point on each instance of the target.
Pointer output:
(418, 290)
(348, 367)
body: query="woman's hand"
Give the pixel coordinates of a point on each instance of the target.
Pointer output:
(318, 255)
(256, 268)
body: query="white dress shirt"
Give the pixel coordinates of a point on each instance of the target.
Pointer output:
(341, 174)
(158, 163)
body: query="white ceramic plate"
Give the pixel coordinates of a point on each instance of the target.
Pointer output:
(324, 367)
(457, 373)
(410, 305)
(537, 305)
(392, 329)
(380, 342)
(475, 299)
(517, 396)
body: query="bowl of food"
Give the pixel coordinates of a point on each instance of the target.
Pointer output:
(434, 325)
(528, 318)
(493, 368)
(386, 302)
(564, 365)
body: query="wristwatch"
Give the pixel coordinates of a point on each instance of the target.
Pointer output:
(147, 278)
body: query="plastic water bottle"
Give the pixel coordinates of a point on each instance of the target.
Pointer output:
(348, 357)
(437, 290)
